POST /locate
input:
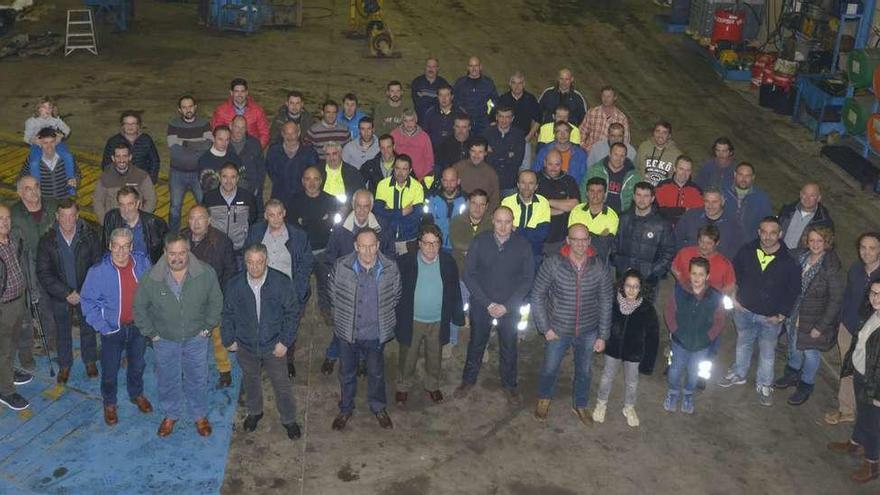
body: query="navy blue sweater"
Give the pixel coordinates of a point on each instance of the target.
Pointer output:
(770, 292)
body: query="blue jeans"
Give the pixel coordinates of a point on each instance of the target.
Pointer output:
(806, 361)
(749, 328)
(481, 327)
(182, 372)
(332, 351)
(687, 362)
(348, 363)
(178, 183)
(554, 352)
(88, 339)
(453, 328)
(127, 340)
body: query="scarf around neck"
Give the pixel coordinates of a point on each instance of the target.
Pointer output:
(627, 307)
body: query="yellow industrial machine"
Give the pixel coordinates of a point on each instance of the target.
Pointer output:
(366, 21)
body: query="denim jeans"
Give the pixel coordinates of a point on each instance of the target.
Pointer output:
(806, 361)
(554, 352)
(481, 327)
(322, 280)
(453, 328)
(687, 364)
(866, 431)
(182, 373)
(178, 183)
(332, 351)
(88, 340)
(348, 363)
(128, 341)
(749, 328)
(631, 378)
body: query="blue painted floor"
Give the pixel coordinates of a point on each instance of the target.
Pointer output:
(61, 444)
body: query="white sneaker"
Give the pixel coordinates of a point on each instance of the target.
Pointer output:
(632, 419)
(765, 395)
(599, 411)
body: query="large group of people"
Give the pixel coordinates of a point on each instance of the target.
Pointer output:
(459, 208)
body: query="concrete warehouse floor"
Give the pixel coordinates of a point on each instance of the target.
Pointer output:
(732, 445)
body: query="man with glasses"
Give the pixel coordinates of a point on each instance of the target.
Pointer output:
(572, 300)
(430, 300)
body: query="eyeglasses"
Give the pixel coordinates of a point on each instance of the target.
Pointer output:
(429, 243)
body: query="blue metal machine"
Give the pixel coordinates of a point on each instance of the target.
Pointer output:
(248, 16)
(117, 11)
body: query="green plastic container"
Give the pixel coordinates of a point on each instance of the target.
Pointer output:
(855, 115)
(860, 65)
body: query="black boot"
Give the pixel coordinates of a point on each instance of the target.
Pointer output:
(790, 378)
(801, 394)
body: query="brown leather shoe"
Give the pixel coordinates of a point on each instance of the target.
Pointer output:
(166, 427)
(847, 447)
(92, 370)
(384, 419)
(866, 472)
(110, 416)
(836, 417)
(400, 398)
(542, 410)
(203, 427)
(436, 396)
(463, 390)
(583, 415)
(63, 376)
(143, 404)
(341, 420)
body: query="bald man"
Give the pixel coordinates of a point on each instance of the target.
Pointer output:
(446, 203)
(797, 216)
(213, 247)
(498, 272)
(566, 282)
(563, 194)
(563, 93)
(476, 93)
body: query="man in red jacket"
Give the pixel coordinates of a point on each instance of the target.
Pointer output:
(678, 193)
(239, 103)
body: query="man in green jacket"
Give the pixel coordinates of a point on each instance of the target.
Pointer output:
(620, 178)
(176, 306)
(32, 215)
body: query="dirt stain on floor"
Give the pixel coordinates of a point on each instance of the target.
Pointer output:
(347, 473)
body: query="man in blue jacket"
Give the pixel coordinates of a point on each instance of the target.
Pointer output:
(476, 93)
(107, 299)
(498, 272)
(768, 281)
(289, 252)
(446, 203)
(260, 320)
(747, 202)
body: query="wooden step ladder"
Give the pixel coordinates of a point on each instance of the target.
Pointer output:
(80, 32)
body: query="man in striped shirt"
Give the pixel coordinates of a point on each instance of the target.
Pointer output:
(327, 129)
(55, 169)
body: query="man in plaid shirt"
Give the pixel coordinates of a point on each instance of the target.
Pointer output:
(594, 128)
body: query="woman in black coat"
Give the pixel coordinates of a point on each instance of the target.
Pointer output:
(633, 341)
(812, 326)
(862, 362)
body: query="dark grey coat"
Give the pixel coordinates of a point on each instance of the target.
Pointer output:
(571, 306)
(820, 305)
(343, 295)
